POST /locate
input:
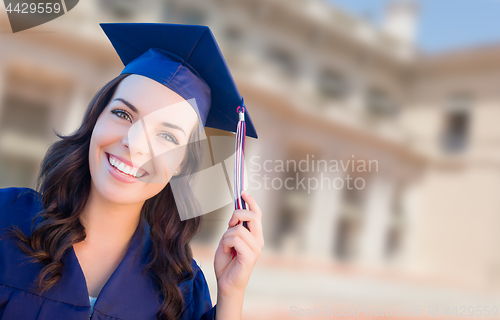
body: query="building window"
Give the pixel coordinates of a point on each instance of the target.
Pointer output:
(379, 105)
(194, 16)
(17, 172)
(234, 35)
(456, 124)
(332, 84)
(26, 117)
(176, 12)
(283, 61)
(120, 8)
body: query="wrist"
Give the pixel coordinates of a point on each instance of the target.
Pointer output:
(229, 304)
(230, 293)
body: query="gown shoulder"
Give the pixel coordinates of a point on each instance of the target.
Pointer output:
(198, 304)
(18, 206)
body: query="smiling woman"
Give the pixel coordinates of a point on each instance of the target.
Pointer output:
(103, 231)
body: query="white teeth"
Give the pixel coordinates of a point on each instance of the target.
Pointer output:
(124, 168)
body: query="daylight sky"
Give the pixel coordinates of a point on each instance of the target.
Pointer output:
(443, 24)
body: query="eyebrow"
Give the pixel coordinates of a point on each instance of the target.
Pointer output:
(131, 106)
(173, 126)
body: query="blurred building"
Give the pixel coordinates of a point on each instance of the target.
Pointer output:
(321, 85)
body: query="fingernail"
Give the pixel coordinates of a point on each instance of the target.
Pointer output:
(242, 192)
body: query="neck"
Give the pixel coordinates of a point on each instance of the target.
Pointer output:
(109, 224)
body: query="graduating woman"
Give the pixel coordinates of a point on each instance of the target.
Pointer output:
(107, 234)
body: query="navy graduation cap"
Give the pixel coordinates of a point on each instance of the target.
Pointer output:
(186, 59)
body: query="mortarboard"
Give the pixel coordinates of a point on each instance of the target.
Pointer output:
(186, 59)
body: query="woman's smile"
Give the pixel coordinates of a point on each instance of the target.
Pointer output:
(123, 170)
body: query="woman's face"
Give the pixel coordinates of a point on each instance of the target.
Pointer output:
(139, 140)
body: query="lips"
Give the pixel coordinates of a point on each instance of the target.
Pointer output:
(125, 167)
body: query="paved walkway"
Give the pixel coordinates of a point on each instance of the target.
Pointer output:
(289, 288)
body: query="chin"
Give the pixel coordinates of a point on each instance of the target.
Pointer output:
(126, 194)
(115, 195)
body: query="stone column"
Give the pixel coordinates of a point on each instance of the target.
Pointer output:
(3, 83)
(320, 225)
(77, 105)
(411, 208)
(376, 220)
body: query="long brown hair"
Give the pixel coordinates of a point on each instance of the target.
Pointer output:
(64, 184)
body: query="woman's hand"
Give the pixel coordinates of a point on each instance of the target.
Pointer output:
(233, 274)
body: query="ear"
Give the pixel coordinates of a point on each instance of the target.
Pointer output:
(178, 170)
(181, 166)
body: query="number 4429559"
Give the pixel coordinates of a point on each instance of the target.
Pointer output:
(34, 8)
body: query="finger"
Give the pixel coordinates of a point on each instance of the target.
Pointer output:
(245, 235)
(243, 215)
(239, 245)
(253, 222)
(252, 205)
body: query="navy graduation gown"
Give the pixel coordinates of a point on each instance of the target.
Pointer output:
(126, 295)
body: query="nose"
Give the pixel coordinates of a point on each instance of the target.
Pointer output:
(136, 140)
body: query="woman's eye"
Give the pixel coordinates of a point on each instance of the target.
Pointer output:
(122, 114)
(168, 137)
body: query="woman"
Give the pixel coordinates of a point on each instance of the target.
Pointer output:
(109, 230)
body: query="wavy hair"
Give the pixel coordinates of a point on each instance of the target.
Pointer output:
(64, 183)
